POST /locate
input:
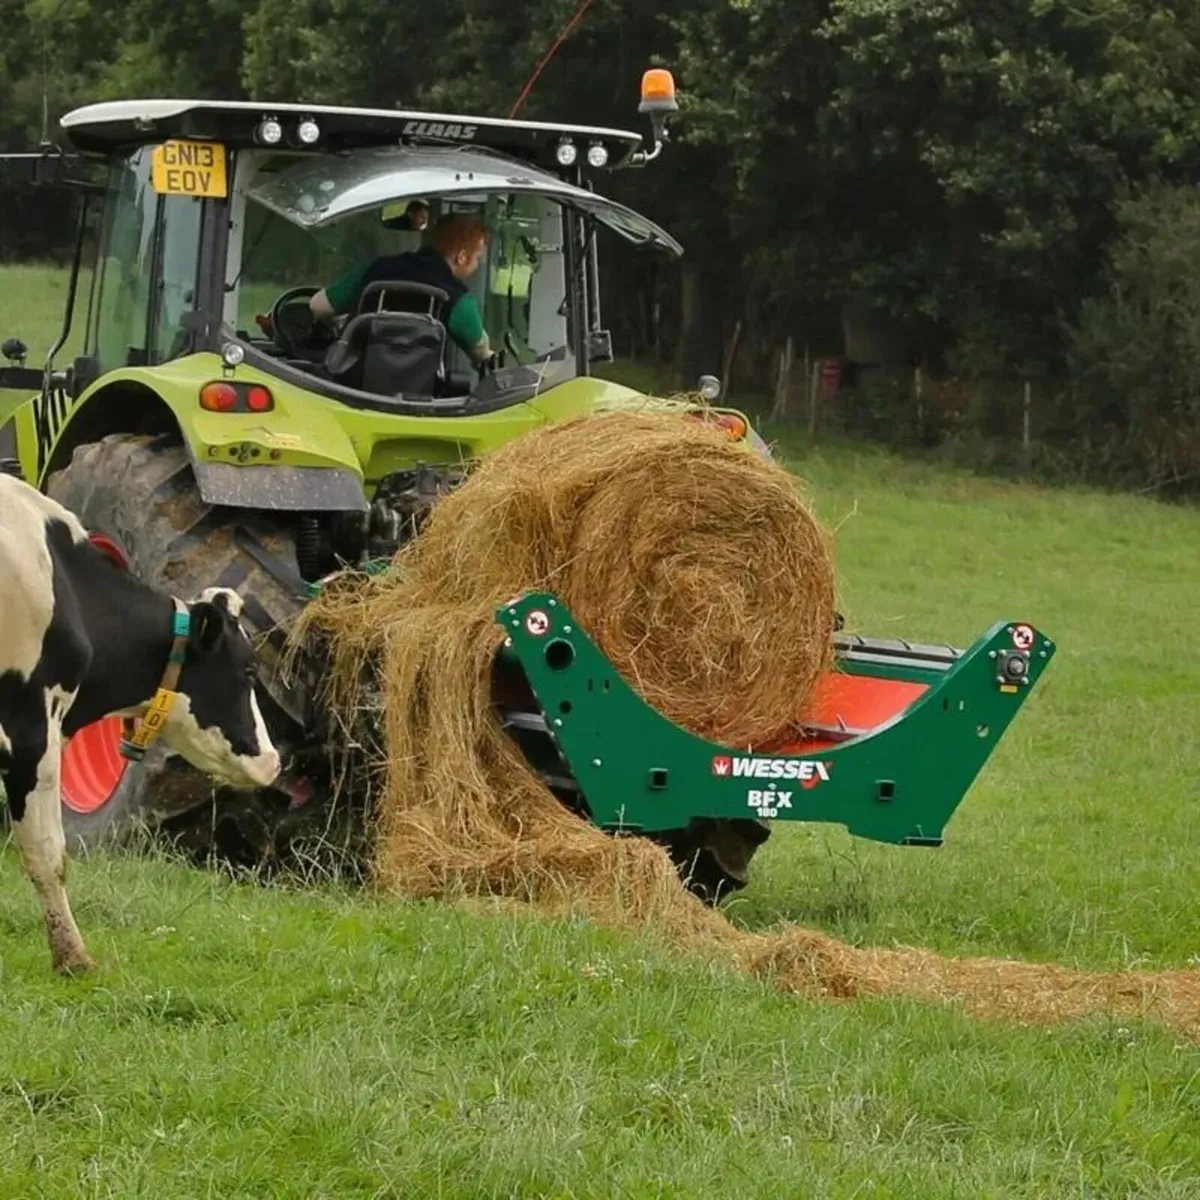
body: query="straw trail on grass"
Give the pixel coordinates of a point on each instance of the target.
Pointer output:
(700, 570)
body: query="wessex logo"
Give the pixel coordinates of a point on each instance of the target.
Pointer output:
(807, 771)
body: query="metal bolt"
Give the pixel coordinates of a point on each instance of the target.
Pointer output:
(993, 653)
(597, 763)
(558, 722)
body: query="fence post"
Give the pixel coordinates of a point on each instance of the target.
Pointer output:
(811, 377)
(730, 358)
(1026, 442)
(783, 383)
(807, 385)
(920, 401)
(789, 358)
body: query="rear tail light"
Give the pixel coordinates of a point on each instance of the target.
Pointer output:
(218, 397)
(259, 399)
(221, 396)
(731, 424)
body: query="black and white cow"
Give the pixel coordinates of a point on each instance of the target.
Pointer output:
(80, 639)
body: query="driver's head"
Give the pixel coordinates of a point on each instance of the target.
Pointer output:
(461, 240)
(418, 215)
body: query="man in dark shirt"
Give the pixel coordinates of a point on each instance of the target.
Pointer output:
(455, 250)
(415, 217)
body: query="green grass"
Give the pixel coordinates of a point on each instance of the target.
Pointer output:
(33, 302)
(240, 1043)
(247, 1042)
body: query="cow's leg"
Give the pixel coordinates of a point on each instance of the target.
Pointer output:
(33, 784)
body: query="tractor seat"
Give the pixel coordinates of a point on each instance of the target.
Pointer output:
(395, 343)
(389, 354)
(402, 295)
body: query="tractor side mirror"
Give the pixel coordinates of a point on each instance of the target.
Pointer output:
(599, 345)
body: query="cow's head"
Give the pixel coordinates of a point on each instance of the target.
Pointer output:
(215, 722)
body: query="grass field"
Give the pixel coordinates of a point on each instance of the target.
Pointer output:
(244, 1042)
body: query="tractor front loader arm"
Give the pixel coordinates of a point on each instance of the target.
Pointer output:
(900, 733)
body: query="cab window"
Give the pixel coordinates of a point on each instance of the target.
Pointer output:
(146, 267)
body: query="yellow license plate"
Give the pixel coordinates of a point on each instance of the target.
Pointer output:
(189, 169)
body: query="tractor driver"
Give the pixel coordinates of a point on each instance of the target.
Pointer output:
(455, 250)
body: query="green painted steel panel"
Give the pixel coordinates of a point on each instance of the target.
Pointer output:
(899, 783)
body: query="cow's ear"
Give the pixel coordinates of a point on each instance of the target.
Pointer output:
(208, 624)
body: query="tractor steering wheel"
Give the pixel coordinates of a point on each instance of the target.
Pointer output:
(295, 330)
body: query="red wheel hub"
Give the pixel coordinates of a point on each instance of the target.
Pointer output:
(92, 766)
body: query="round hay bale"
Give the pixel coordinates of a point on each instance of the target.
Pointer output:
(696, 566)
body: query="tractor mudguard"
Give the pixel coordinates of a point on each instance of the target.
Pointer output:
(292, 454)
(899, 733)
(278, 488)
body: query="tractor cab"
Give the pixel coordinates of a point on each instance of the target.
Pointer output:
(220, 221)
(305, 225)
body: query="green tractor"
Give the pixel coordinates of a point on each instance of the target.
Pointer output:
(213, 430)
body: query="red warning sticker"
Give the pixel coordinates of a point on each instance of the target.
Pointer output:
(538, 623)
(1022, 637)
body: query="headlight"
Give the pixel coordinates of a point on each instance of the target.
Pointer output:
(269, 132)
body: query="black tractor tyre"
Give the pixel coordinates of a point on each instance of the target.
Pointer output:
(140, 492)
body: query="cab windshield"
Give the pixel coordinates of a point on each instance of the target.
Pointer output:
(279, 242)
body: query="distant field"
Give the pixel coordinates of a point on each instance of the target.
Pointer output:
(32, 302)
(244, 1042)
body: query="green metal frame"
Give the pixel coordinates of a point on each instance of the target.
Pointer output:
(900, 783)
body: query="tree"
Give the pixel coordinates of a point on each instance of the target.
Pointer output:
(1135, 351)
(948, 159)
